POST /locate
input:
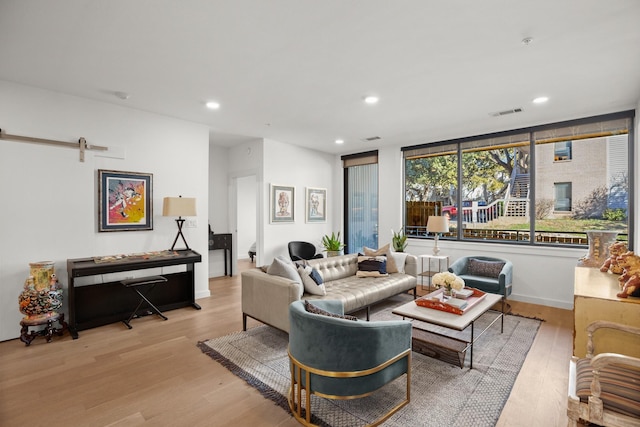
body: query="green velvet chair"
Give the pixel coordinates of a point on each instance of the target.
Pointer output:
(337, 358)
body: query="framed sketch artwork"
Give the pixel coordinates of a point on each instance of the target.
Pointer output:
(282, 203)
(124, 201)
(316, 206)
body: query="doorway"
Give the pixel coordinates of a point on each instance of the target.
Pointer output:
(245, 217)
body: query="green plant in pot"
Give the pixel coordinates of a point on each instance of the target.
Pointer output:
(399, 240)
(332, 244)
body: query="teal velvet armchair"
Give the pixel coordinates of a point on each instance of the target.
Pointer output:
(343, 359)
(488, 274)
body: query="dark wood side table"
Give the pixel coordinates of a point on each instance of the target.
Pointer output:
(224, 242)
(45, 320)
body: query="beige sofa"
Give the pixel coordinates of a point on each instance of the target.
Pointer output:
(267, 297)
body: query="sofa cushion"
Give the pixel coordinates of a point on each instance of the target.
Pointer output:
(383, 251)
(311, 280)
(479, 267)
(372, 266)
(317, 310)
(283, 267)
(400, 258)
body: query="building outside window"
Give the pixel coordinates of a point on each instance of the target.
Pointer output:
(562, 202)
(562, 151)
(513, 187)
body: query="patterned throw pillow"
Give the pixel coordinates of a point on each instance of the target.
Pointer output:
(372, 266)
(479, 267)
(317, 310)
(620, 386)
(311, 280)
(383, 251)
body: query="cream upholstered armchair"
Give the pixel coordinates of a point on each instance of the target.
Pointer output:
(336, 358)
(604, 388)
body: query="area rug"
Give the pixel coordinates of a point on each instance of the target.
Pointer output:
(442, 394)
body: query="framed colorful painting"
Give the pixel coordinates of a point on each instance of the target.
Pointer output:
(316, 206)
(125, 201)
(282, 203)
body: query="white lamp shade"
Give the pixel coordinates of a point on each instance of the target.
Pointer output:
(438, 224)
(179, 206)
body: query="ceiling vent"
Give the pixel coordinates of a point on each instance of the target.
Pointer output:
(506, 112)
(372, 138)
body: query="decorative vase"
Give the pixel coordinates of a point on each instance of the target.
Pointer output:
(599, 242)
(447, 292)
(42, 293)
(334, 253)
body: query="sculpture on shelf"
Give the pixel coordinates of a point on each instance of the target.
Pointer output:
(41, 297)
(599, 243)
(612, 263)
(630, 278)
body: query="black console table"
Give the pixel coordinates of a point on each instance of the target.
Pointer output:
(224, 242)
(104, 303)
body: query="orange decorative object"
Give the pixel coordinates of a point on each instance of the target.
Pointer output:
(435, 301)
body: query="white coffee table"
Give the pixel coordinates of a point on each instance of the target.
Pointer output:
(458, 322)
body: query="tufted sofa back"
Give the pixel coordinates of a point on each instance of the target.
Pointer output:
(336, 267)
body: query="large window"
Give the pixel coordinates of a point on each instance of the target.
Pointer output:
(519, 185)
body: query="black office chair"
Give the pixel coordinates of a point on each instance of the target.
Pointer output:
(302, 250)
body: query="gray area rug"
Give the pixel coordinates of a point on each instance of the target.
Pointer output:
(441, 394)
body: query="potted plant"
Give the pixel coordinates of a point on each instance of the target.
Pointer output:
(399, 240)
(332, 244)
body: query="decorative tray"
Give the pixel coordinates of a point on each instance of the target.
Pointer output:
(437, 301)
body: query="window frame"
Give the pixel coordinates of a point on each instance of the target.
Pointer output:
(534, 132)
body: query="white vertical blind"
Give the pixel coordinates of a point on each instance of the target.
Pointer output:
(362, 207)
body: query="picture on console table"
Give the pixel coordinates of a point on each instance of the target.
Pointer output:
(316, 206)
(282, 203)
(125, 201)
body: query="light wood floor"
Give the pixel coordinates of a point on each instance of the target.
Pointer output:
(154, 375)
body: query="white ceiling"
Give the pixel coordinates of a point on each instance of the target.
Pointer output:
(296, 70)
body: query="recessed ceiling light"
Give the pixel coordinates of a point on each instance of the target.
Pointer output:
(213, 105)
(371, 99)
(540, 100)
(339, 141)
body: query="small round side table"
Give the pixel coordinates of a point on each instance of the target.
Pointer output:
(45, 319)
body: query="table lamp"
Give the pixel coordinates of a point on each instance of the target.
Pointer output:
(437, 225)
(179, 206)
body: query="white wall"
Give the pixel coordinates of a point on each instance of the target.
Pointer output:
(49, 198)
(246, 214)
(218, 204)
(301, 168)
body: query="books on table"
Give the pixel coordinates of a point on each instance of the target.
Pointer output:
(464, 293)
(456, 302)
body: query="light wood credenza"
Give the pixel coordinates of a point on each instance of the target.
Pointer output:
(595, 299)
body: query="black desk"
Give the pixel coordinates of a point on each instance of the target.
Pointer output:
(104, 303)
(224, 242)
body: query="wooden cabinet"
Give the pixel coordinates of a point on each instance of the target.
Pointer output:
(595, 299)
(224, 242)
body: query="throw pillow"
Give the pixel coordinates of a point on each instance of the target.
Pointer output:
(283, 267)
(372, 266)
(317, 310)
(399, 258)
(480, 267)
(383, 251)
(311, 280)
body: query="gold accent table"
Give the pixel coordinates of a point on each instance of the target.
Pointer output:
(595, 299)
